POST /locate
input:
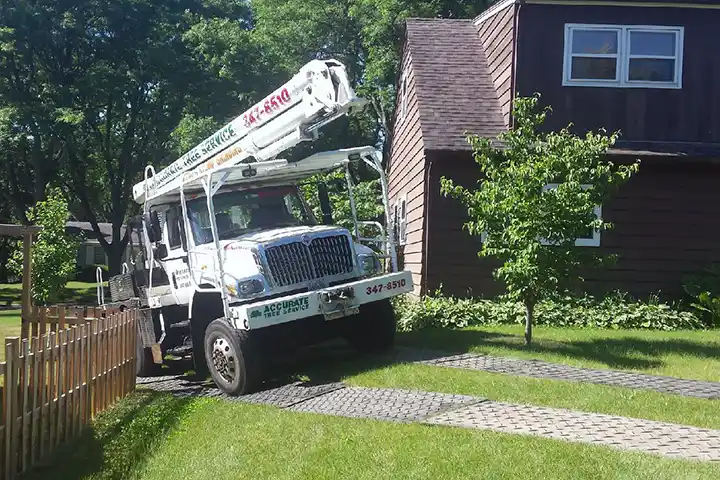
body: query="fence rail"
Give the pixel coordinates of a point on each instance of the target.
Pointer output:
(71, 365)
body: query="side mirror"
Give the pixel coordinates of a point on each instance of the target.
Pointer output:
(152, 225)
(325, 207)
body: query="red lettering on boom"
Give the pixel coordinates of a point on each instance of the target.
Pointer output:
(271, 103)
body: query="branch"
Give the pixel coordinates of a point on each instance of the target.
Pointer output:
(78, 176)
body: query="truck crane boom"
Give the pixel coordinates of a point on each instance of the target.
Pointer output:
(317, 95)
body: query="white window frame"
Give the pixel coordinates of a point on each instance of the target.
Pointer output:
(623, 56)
(400, 219)
(593, 241)
(402, 97)
(403, 219)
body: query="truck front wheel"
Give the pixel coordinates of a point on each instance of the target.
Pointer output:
(233, 361)
(373, 329)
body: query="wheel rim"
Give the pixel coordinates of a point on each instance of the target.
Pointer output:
(224, 359)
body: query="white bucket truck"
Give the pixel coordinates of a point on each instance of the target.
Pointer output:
(233, 267)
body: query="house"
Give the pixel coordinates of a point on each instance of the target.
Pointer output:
(649, 69)
(90, 252)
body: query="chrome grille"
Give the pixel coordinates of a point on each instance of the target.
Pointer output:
(296, 262)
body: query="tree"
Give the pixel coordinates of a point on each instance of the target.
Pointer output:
(367, 196)
(54, 253)
(90, 93)
(381, 33)
(530, 226)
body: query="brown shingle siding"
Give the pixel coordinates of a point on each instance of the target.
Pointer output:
(406, 177)
(497, 33)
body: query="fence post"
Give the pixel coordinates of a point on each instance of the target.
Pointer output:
(10, 399)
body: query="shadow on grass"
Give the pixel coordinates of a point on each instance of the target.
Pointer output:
(119, 442)
(335, 361)
(630, 352)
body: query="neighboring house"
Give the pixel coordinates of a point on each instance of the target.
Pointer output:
(649, 69)
(91, 252)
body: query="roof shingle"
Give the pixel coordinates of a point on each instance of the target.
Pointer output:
(455, 92)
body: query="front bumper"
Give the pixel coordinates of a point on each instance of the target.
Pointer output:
(334, 302)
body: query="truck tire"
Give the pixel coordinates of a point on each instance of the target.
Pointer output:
(233, 361)
(145, 367)
(373, 329)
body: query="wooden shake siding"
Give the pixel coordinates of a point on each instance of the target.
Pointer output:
(666, 227)
(497, 34)
(453, 262)
(407, 176)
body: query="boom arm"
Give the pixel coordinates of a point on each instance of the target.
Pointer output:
(315, 96)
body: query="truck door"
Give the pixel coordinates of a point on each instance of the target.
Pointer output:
(175, 263)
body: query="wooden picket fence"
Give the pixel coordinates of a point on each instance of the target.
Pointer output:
(69, 365)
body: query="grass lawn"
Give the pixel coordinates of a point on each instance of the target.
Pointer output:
(9, 327)
(74, 292)
(558, 394)
(684, 354)
(156, 436)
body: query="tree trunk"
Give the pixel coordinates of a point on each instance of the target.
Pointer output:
(114, 255)
(529, 306)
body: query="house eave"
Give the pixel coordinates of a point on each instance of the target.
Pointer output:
(494, 9)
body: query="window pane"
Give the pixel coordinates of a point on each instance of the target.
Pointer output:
(652, 69)
(594, 41)
(652, 43)
(593, 68)
(588, 234)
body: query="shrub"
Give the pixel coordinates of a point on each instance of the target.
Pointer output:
(54, 253)
(704, 290)
(613, 312)
(87, 273)
(527, 223)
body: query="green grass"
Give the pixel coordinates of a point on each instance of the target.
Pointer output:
(9, 327)
(74, 293)
(329, 365)
(685, 354)
(156, 436)
(551, 393)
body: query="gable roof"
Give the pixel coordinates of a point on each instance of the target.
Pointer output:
(455, 92)
(105, 230)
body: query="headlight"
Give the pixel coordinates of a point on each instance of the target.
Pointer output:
(369, 263)
(246, 288)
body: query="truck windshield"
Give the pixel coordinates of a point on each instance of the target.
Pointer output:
(240, 212)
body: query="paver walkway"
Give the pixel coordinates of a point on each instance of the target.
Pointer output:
(556, 371)
(401, 405)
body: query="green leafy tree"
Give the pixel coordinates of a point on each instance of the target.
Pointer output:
(54, 254)
(367, 196)
(90, 93)
(532, 228)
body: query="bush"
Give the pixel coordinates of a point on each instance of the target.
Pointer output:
(704, 290)
(87, 273)
(615, 312)
(54, 253)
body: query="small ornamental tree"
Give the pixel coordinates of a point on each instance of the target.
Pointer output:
(54, 254)
(537, 195)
